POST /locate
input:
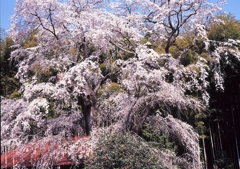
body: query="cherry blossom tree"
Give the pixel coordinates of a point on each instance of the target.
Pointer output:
(168, 19)
(90, 73)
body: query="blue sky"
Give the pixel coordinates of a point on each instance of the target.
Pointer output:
(7, 10)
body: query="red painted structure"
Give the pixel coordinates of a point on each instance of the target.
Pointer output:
(53, 152)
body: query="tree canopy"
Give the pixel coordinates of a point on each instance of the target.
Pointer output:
(143, 71)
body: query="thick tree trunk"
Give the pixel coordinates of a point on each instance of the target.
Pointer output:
(86, 105)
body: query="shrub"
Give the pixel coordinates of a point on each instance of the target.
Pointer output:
(123, 150)
(161, 140)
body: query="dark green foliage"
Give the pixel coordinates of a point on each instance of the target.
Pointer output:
(126, 55)
(8, 70)
(42, 74)
(107, 67)
(189, 58)
(222, 32)
(200, 125)
(104, 69)
(46, 75)
(9, 85)
(158, 140)
(123, 151)
(51, 110)
(199, 47)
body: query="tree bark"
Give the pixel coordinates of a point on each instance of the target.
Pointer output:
(205, 154)
(86, 104)
(212, 145)
(235, 136)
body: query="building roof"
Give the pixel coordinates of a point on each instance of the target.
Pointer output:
(48, 152)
